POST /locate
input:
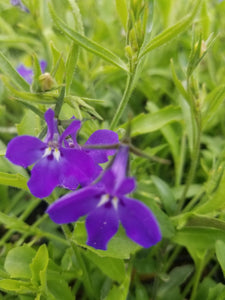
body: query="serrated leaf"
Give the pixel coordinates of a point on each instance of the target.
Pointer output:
(171, 32)
(86, 43)
(60, 290)
(112, 267)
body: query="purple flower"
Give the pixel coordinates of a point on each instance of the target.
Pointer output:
(55, 164)
(19, 4)
(27, 73)
(106, 204)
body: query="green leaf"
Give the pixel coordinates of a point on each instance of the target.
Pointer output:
(30, 124)
(171, 32)
(199, 238)
(121, 6)
(39, 266)
(166, 194)
(71, 63)
(220, 250)
(212, 103)
(145, 123)
(11, 73)
(14, 180)
(120, 246)
(16, 286)
(112, 267)
(86, 43)
(18, 260)
(60, 290)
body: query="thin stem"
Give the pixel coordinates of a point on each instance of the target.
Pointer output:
(180, 167)
(196, 279)
(126, 97)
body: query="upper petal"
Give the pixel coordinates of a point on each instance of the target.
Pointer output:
(25, 150)
(102, 137)
(126, 186)
(45, 177)
(52, 124)
(74, 205)
(43, 65)
(119, 165)
(71, 130)
(139, 222)
(102, 224)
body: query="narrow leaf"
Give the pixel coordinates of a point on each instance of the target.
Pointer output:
(145, 123)
(14, 180)
(121, 6)
(8, 70)
(86, 43)
(171, 32)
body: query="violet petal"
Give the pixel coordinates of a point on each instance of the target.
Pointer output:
(44, 177)
(52, 124)
(79, 164)
(43, 65)
(108, 180)
(26, 73)
(139, 222)
(102, 224)
(102, 137)
(71, 130)
(126, 186)
(119, 165)
(74, 205)
(25, 150)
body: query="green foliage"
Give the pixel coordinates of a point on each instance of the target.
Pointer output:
(152, 71)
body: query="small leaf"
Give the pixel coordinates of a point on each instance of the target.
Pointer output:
(17, 262)
(11, 73)
(112, 267)
(86, 43)
(39, 265)
(166, 194)
(59, 290)
(220, 250)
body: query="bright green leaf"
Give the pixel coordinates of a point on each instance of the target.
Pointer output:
(39, 265)
(86, 43)
(14, 180)
(122, 10)
(16, 286)
(220, 250)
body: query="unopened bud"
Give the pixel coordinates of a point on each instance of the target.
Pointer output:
(46, 82)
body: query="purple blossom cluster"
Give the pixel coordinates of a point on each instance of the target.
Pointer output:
(60, 161)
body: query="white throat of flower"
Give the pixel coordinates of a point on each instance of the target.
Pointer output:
(54, 151)
(105, 198)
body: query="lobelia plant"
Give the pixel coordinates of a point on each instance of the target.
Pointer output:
(57, 162)
(105, 203)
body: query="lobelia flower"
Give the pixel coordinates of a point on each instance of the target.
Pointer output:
(106, 204)
(27, 73)
(55, 164)
(19, 4)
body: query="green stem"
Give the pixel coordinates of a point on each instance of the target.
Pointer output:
(199, 269)
(180, 167)
(125, 99)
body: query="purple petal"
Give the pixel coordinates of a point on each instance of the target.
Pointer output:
(119, 165)
(108, 180)
(43, 65)
(25, 150)
(71, 130)
(74, 205)
(44, 177)
(139, 222)
(126, 187)
(102, 224)
(26, 73)
(52, 124)
(102, 137)
(78, 164)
